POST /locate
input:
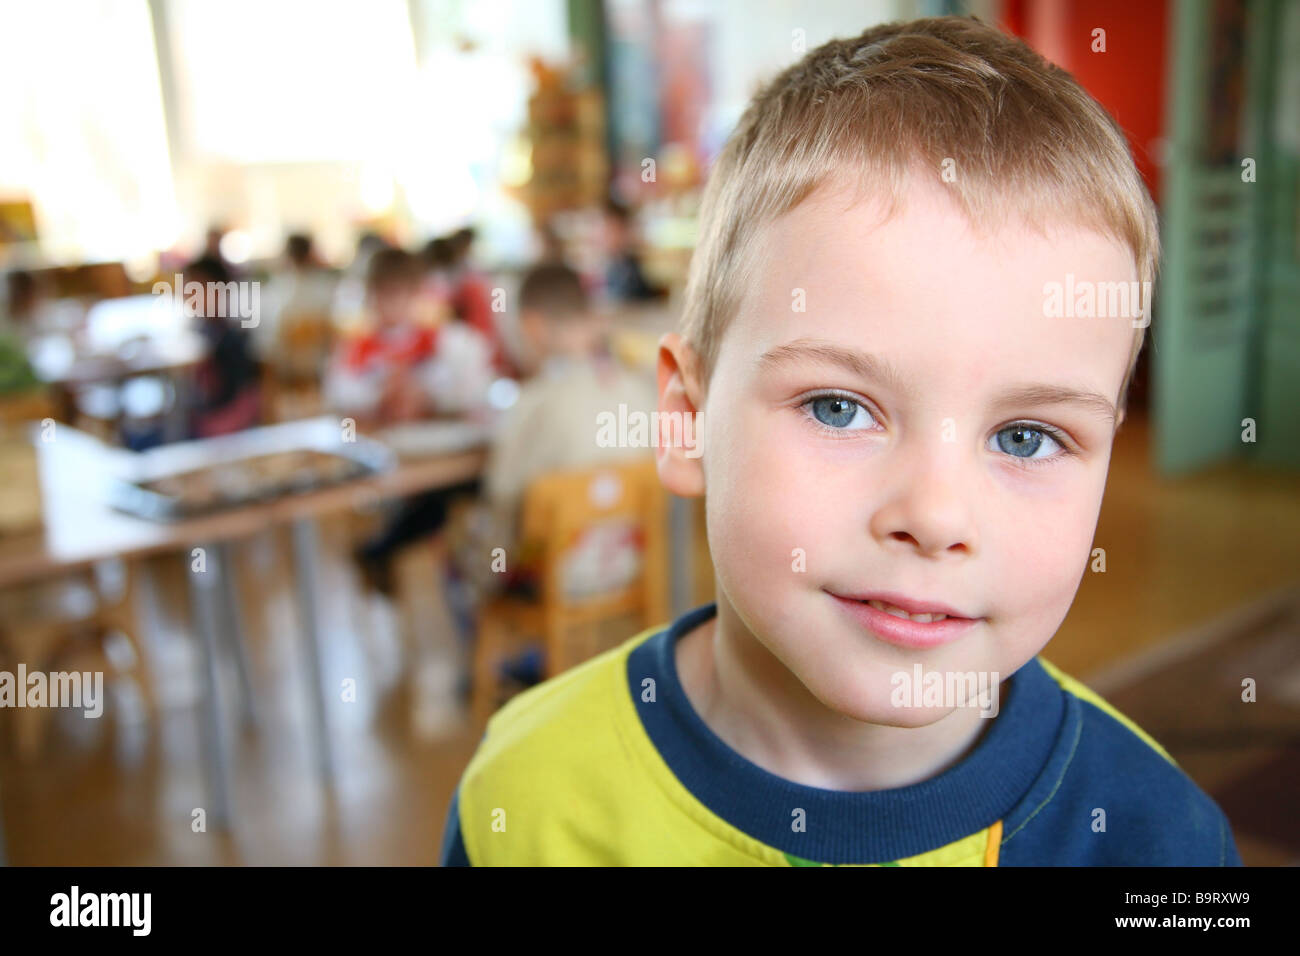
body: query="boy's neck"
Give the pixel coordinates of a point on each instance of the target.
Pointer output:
(761, 710)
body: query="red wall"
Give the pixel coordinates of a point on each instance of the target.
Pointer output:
(1128, 79)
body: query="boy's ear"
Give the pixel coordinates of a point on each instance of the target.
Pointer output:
(678, 453)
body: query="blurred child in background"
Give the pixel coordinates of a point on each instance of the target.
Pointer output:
(624, 279)
(552, 427)
(465, 361)
(300, 292)
(375, 375)
(471, 298)
(438, 261)
(415, 361)
(349, 306)
(227, 382)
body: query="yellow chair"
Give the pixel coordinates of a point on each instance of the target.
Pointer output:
(292, 382)
(306, 342)
(560, 512)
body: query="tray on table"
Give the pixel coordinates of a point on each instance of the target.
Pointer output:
(205, 477)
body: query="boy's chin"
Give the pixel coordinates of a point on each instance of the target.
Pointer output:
(876, 707)
(882, 713)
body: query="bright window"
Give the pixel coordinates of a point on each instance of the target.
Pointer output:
(84, 137)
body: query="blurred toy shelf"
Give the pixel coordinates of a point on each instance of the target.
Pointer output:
(566, 130)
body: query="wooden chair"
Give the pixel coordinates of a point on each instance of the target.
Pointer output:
(33, 406)
(46, 636)
(558, 510)
(43, 622)
(20, 484)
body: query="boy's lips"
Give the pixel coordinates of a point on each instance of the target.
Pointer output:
(919, 629)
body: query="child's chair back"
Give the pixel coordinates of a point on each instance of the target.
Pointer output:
(306, 339)
(603, 543)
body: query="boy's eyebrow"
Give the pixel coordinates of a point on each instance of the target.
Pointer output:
(865, 365)
(1089, 401)
(861, 364)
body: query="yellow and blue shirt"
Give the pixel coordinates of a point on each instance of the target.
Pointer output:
(608, 764)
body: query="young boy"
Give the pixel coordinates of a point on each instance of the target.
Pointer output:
(904, 449)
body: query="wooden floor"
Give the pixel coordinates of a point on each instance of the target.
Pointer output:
(1179, 553)
(123, 790)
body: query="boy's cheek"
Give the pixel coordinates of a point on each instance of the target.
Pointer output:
(764, 529)
(1037, 578)
(754, 521)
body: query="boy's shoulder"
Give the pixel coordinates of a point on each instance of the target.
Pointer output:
(547, 714)
(1109, 794)
(557, 751)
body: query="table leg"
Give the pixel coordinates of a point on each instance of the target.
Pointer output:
(204, 598)
(306, 551)
(233, 631)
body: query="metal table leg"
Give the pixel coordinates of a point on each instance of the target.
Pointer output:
(233, 629)
(306, 553)
(204, 600)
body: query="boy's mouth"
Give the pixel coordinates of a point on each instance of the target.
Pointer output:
(905, 621)
(905, 607)
(924, 617)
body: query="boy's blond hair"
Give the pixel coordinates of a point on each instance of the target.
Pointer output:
(1022, 137)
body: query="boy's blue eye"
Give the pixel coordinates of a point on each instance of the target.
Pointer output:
(1023, 441)
(837, 411)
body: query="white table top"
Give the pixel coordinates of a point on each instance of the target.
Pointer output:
(81, 527)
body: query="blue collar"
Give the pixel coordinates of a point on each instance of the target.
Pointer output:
(848, 827)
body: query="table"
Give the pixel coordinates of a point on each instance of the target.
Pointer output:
(118, 338)
(81, 529)
(167, 356)
(148, 357)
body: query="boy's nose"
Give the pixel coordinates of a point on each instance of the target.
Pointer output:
(927, 505)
